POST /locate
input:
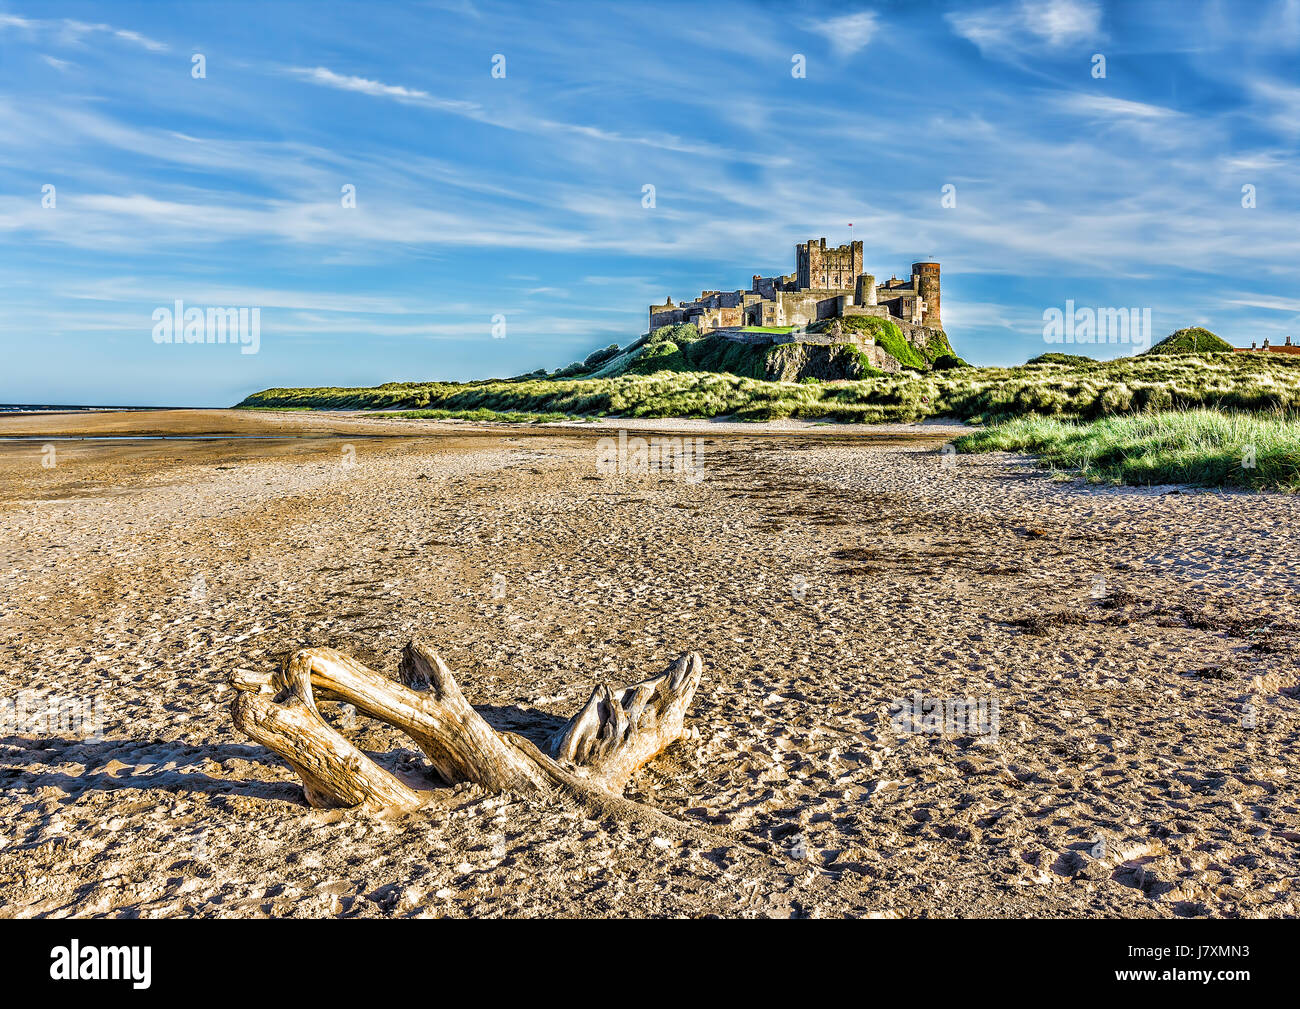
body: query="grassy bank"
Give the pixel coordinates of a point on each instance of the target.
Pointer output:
(1073, 389)
(1199, 447)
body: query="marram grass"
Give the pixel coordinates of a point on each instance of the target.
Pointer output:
(1199, 447)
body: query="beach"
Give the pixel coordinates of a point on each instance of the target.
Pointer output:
(934, 684)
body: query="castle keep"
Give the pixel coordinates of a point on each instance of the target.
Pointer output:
(826, 283)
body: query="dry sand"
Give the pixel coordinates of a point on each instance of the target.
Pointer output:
(1143, 764)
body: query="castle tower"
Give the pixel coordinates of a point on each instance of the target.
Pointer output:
(820, 268)
(804, 254)
(854, 265)
(927, 287)
(865, 293)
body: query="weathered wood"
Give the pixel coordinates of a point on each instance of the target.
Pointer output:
(619, 730)
(333, 771)
(614, 734)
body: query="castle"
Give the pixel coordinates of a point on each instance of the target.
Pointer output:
(826, 283)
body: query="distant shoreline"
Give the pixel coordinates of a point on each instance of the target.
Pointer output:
(17, 408)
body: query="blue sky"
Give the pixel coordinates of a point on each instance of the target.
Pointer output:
(522, 196)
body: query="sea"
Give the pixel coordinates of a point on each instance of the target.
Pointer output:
(7, 408)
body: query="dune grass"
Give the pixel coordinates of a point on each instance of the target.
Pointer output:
(1073, 390)
(1199, 447)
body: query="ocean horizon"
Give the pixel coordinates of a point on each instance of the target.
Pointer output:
(79, 408)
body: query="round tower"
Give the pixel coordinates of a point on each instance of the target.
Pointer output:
(866, 290)
(928, 288)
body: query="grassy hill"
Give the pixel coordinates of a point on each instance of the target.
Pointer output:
(1193, 340)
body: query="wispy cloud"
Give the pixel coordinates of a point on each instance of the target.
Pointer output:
(1109, 107)
(377, 89)
(849, 32)
(1282, 104)
(1270, 302)
(526, 121)
(72, 32)
(1011, 28)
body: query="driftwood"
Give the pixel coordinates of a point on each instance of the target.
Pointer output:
(591, 757)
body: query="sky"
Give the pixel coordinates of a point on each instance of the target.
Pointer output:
(203, 152)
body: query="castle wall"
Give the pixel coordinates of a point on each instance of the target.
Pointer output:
(720, 299)
(714, 318)
(798, 308)
(661, 315)
(764, 313)
(880, 311)
(907, 307)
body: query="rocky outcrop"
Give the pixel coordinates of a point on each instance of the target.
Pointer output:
(827, 362)
(839, 349)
